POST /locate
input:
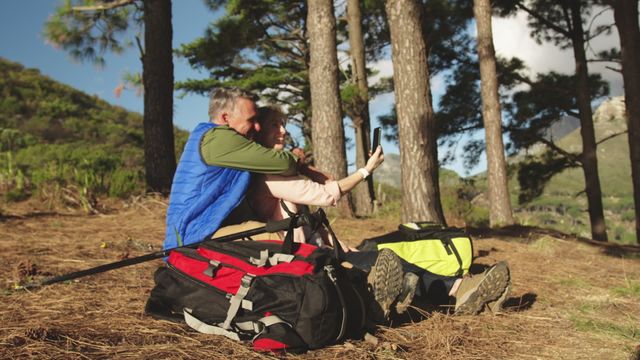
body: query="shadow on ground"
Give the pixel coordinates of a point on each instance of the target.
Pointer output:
(528, 234)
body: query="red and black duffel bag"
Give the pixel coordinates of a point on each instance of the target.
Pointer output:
(281, 295)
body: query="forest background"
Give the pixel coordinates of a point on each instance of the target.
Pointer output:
(189, 108)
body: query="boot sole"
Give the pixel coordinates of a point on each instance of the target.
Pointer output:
(385, 279)
(496, 306)
(409, 286)
(490, 288)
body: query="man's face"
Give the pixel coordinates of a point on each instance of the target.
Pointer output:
(243, 118)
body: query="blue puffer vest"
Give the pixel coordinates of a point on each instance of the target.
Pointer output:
(202, 196)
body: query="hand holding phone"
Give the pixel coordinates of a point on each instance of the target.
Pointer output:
(375, 158)
(376, 139)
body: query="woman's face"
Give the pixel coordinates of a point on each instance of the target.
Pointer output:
(272, 134)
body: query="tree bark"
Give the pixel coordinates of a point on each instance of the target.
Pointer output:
(328, 132)
(363, 194)
(626, 18)
(589, 147)
(501, 213)
(416, 121)
(157, 77)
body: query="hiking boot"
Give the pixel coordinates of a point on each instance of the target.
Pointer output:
(477, 290)
(385, 282)
(495, 306)
(409, 286)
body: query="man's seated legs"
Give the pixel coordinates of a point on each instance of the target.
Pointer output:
(246, 226)
(472, 292)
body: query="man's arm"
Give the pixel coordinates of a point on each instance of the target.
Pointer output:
(222, 146)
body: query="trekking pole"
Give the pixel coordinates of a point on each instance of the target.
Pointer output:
(271, 226)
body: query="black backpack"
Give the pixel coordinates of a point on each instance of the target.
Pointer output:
(283, 296)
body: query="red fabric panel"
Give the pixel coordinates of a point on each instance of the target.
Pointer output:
(264, 344)
(227, 279)
(295, 267)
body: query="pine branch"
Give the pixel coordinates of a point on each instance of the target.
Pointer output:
(573, 158)
(611, 137)
(103, 6)
(572, 113)
(140, 47)
(600, 31)
(531, 83)
(618, 70)
(567, 19)
(543, 20)
(604, 60)
(593, 19)
(580, 193)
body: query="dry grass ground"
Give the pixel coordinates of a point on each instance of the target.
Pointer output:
(570, 299)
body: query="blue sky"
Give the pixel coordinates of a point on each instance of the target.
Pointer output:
(21, 40)
(21, 24)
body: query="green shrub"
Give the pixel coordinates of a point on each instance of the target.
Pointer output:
(629, 215)
(477, 217)
(14, 185)
(125, 182)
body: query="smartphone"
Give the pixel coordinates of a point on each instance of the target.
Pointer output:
(376, 139)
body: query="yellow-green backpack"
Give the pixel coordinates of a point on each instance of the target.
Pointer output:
(439, 250)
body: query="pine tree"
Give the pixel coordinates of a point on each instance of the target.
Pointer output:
(416, 121)
(363, 195)
(88, 29)
(499, 199)
(261, 46)
(328, 131)
(561, 22)
(626, 18)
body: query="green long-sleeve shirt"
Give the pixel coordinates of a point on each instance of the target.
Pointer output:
(223, 146)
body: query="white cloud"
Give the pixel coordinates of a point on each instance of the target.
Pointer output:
(383, 68)
(511, 37)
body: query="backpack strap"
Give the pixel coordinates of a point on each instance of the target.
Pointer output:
(238, 299)
(277, 258)
(273, 260)
(331, 274)
(262, 261)
(255, 327)
(202, 327)
(211, 269)
(450, 247)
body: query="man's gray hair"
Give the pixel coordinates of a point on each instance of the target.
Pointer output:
(224, 99)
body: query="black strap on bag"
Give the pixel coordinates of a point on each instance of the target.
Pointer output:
(448, 244)
(320, 219)
(314, 221)
(272, 226)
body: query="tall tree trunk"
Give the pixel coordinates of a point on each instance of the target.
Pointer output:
(328, 131)
(499, 199)
(626, 17)
(589, 147)
(157, 77)
(416, 121)
(363, 194)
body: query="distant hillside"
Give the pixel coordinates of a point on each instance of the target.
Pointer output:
(563, 206)
(57, 141)
(52, 112)
(562, 128)
(389, 172)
